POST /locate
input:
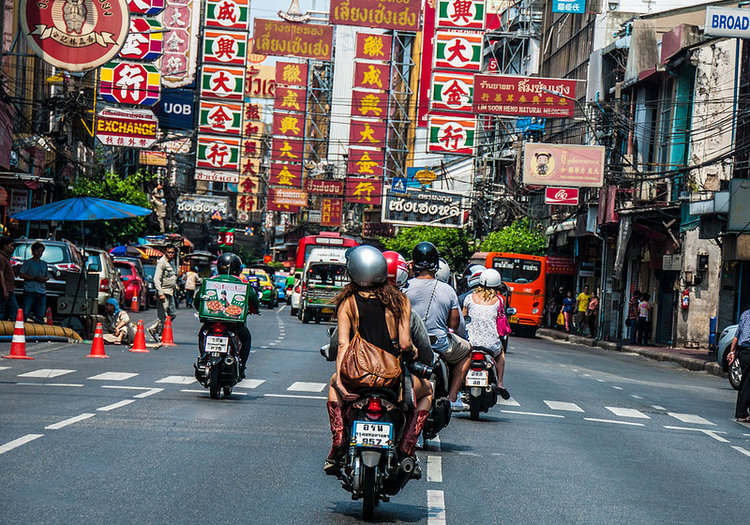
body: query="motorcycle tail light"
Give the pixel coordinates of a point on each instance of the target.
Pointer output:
(217, 329)
(477, 356)
(374, 408)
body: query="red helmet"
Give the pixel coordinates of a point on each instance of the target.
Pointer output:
(398, 270)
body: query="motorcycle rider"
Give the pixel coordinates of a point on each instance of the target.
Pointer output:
(436, 303)
(472, 281)
(382, 311)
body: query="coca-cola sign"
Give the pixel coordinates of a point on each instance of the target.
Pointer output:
(561, 196)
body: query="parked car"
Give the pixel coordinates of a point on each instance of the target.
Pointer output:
(722, 349)
(135, 283)
(267, 290)
(280, 281)
(110, 286)
(149, 270)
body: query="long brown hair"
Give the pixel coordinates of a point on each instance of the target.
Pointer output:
(393, 299)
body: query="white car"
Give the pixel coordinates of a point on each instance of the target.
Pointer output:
(296, 294)
(722, 349)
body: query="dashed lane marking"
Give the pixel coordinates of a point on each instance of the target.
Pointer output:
(72, 385)
(741, 450)
(69, 421)
(510, 402)
(149, 392)
(658, 407)
(46, 373)
(531, 413)
(601, 380)
(273, 343)
(295, 396)
(123, 387)
(264, 346)
(4, 368)
(435, 507)
(10, 445)
(690, 418)
(635, 396)
(177, 380)
(614, 422)
(435, 469)
(113, 406)
(302, 386)
(193, 390)
(113, 376)
(711, 433)
(617, 387)
(250, 383)
(282, 308)
(627, 412)
(561, 405)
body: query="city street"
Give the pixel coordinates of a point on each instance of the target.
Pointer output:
(589, 436)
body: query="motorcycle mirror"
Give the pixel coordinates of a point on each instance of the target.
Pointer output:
(511, 311)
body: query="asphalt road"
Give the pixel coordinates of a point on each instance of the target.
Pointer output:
(589, 436)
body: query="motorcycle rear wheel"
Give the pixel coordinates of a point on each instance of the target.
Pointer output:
(213, 383)
(227, 391)
(369, 496)
(474, 409)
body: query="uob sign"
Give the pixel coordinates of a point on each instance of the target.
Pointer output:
(176, 109)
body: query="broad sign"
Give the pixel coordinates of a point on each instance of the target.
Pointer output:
(130, 83)
(458, 50)
(144, 40)
(452, 92)
(324, 187)
(147, 7)
(460, 14)
(133, 128)
(451, 135)
(524, 96)
(223, 82)
(220, 117)
(558, 164)
(422, 207)
(219, 153)
(401, 15)
(225, 47)
(75, 36)
(561, 196)
(228, 14)
(727, 21)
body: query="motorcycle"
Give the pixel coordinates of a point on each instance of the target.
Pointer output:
(440, 412)
(218, 365)
(480, 385)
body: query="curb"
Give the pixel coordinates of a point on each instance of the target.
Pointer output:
(691, 363)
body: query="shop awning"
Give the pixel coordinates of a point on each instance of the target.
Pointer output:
(564, 226)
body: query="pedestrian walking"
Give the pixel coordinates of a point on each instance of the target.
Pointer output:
(34, 273)
(192, 280)
(555, 307)
(568, 306)
(582, 304)
(632, 321)
(8, 303)
(592, 313)
(644, 313)
(165, 281)
(740, 349)
(117, 327)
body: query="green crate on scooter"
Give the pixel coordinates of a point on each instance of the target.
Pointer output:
(225, 298)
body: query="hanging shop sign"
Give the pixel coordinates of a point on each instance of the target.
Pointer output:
(146, 7)
(153, 158)
(460, 14)
(198, 204)
(367, 133)
(223, 82)
(133, 128)
(452, 92)
(369, 104)
(286, 150)
(422, 207)
(251, 147)
(400, 15)
(130, 83)
(331, 212)
(225, 47)
(569, 165)
(246, 204)
(288, 196)
(364, 191)
(228, 14)
(253, 128)
(250, 167)
(524, 96)
(220, 117)
(145, 40)
(218, 153)
(176, 109)
(291, 74)
(558, 265)
(229, 177)
(289, 125)
(273, 206)
(290, 99)
(569, 6)
(272, 37)
(366, 162)
(451, 135)
(260, 82)
(458, 50)
(179, 58)
(324, 187)
(561, 196)
(75, 36)
(374, 47)
(286, 175)
(372, 76)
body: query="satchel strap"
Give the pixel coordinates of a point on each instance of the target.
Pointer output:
(429, 303)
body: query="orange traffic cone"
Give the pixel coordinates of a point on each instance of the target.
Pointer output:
(97, 347)
(167, 339)
(18, 344)
(139, 343)
(48, 316)
(134, 304)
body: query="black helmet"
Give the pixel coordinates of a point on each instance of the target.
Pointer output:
(425, 257)
(229, 264)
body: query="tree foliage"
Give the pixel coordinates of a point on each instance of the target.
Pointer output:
(454, 244)
(519, 237)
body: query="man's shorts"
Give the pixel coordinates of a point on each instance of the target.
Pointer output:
(457, 351)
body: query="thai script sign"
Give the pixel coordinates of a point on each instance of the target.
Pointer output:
(374, 47)
(75, 36)
(135, 128)
(364, 191)
(192, 203)
(452, 92)
(365, 162)
(561, 196)
(331, 212)
(727, 21)
(451, 135)
(458, 50)
(144, 40)
(372, 76)
(569, 165)
(225, 47)
(524, 96)
(291, 74)
(260, 82)
(401, 15)
(324, 187)
(229, 177)
(558, 265)
(130, 83)
(179, 60)
(228, 14)
(273, 37)
(223, 82)
(460, 14)
(288, 196)
(423, 207)
(367, 133)
(153, 158)
(221, 153)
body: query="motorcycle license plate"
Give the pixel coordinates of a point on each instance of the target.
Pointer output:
(217, 344)
(476, 378)
(373, 435)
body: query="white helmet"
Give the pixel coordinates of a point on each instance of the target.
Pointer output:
(444, 271)
(490, 279)
(472, 280)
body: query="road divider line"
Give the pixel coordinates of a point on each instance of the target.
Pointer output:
(127, 387)
(532, 413)
(635, 396)
(113, 406)
(193, 390)
(613, 421)
(658, 407)
(435, 507)
(438, 444)
(601, 380)
(293, 396)
(10, 445)
(69, 421)
(435, 469)
(71, 385)
(282, 308)
(709, 433)
(149, 392)
(617, 387)
(741, 450)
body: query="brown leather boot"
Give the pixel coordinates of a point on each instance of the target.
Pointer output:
(411, 434)
(338, 446)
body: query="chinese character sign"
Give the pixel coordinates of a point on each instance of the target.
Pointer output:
(289, 175)
(364, 191)
(451, 135)
(289, 125)
(286, 150)
(524, 96)
(331, 212)
(458, 50)
(291, 74)
(145, 40)
(216, 117)
(461, 14)
(218, 152)
(367, 133)
(366, 162)
(130, 83)
(290, 99)
(374, 47)
(372, 76)
(180, 53)
(452, 92)
(225, 47)
(228, 14)
(368, 104)
(223, 82)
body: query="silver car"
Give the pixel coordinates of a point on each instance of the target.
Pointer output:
(722, 349)
(100, 262)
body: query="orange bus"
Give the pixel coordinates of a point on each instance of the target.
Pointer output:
(525, 275)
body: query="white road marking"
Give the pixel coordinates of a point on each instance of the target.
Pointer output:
(113, 406)
(10, 445)
(302, 386)
(627, 412)
(586, 375)
(690, 418)
(4, 368)
(193, 390)
(435, 469)
(617, 387)
(149, 392)
(272, 343)
(75, 385)
(658, 407)
(122, 387)
(113, 376)
(438, 444)
(741, 450)
(471, 454)
(531, 413)
(177, 380)
(510, 402)
(435, 507)
(601, 380)
(294, 396)
(264, 346)
(70, 421)
(561, 405)
(635, 396)
(46, 373)
(574, 369)
(710, 433)
(282, 308)
(630, 423)
(250, 383)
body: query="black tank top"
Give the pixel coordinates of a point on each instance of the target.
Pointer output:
(372, 325)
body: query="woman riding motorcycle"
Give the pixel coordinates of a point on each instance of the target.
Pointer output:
(383, 312)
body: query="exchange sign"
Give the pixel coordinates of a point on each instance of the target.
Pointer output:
(75, 36)
(524, 96)
(134, 128)
(144, 40)
(130, 83)
(218, 153)
(458, 50)
(460, 14)
(451, 135)
(568, 165)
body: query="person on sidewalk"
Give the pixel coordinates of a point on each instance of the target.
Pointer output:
(192, 280)
(632, 321)
(8, 303)
(740, 349)
(592, 313)
(568, 306)
(35, 275)
(644, 312)
(165, 281)
(582, 304)
(117, 327)
(555, 306)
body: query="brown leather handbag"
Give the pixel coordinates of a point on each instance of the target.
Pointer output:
(365, 365)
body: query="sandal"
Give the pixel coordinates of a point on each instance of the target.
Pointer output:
(503, 393)
(745, 419)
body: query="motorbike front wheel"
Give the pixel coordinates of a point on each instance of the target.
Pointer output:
(369, 496)
(213, 383)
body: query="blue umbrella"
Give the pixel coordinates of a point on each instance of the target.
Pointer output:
(82, 209)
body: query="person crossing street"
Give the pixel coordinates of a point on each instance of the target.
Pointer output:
(165, 281)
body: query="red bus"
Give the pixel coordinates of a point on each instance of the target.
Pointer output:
(525, 275)
(323, 239)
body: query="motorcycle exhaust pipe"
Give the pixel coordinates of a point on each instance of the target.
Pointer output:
(229, 360)
(407, 465)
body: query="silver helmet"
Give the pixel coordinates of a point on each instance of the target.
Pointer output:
(367, 266)
(444, 271)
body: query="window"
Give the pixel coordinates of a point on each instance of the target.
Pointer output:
(521, 271)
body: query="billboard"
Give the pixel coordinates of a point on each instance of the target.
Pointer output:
(400, 15)
(524, 96)
(421, 207)
(176, 109)
(727, 21)
(563, 165)
(134, 128)
(273, 37)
